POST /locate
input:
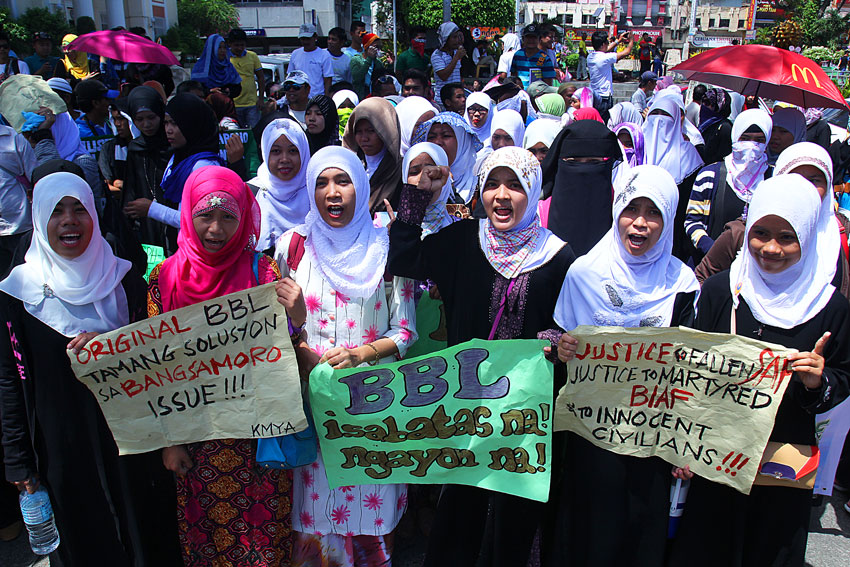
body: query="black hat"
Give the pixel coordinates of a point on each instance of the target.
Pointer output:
(91, 89)
(530, 29)
(41, 35)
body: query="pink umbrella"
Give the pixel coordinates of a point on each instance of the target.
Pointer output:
(123, 46)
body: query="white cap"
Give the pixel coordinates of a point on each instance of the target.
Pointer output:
(306, 30)
(60, 84)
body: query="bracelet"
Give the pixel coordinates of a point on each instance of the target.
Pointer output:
(377, 354)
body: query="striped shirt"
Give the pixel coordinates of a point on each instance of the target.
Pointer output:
(705, 204)
(439, 61)
(699, 207)
(522, 66)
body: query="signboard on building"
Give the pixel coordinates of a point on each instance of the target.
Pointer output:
(479, 33)
(254, 32)
(701, 40)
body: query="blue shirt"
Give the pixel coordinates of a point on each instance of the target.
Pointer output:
(539, 64)
(89, 129)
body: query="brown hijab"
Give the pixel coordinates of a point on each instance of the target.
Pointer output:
(385, 183)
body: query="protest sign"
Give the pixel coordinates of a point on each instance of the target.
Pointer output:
(476, 414)
(220, 369)
(430, 325)
(707, 400)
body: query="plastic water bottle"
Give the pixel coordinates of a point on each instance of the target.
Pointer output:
(38, 517)
(678, 496)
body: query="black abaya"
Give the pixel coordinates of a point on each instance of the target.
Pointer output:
(613, 509)
(109, 510)
(721, 526)
(474, 524)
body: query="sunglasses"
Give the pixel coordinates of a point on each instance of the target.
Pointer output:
(477, 110)
(292, 87)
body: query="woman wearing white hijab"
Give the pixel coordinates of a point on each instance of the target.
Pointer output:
(812, 162)
(69, 289)
(418, 157)
(539, 137)
(349, 322)
(630, 279)
(510, 44)
(789, 127)
(778, 292)
(412, 112)
(722, 190)
(480, 118)
(624, 112)
(455, 136)
(507, 129)
(498, 278)
(666, 147)
(281, 180)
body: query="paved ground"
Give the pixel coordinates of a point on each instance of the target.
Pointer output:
(829, 543)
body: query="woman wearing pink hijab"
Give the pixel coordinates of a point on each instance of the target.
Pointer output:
(219, 226)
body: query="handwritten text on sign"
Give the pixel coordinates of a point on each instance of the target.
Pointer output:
(220, 369)
(478, 413)
(701, 399)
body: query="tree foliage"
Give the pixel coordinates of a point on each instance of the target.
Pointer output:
(207, 17)
(467, 13)
(42, 19)
(17, 32)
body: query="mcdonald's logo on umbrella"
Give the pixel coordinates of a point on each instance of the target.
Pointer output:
(769, 72)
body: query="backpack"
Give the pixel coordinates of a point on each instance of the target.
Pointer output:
(295, 449)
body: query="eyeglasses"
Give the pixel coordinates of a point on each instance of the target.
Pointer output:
(479, 110)
(292, 87)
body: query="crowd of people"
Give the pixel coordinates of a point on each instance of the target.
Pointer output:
(526, 207)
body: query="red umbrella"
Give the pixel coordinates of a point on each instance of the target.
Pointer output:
(765, 71)
(123, 46)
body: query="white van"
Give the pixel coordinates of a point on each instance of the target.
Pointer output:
(274, 66)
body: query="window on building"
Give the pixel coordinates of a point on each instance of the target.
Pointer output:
(698, 22)
(539, 17)
(724, 23)
(568, 19)
(741, 24)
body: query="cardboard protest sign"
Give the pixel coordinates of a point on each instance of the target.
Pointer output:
(476, 414)
(706, 400)
(220, 369)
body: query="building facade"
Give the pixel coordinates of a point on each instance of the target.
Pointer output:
(281, 18)
(156, 16)
(715, 22)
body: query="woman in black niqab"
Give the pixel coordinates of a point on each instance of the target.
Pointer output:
(577, 175)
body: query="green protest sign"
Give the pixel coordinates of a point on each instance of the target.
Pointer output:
(246, 135)
(431, 326)
(478, 413)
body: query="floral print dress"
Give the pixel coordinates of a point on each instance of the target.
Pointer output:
(230, 511)
(336, 320)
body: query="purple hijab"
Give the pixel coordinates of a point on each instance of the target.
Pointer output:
(634, 155)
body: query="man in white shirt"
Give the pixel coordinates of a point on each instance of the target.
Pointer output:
(600, 65)
(340, 61)
(314, 61)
